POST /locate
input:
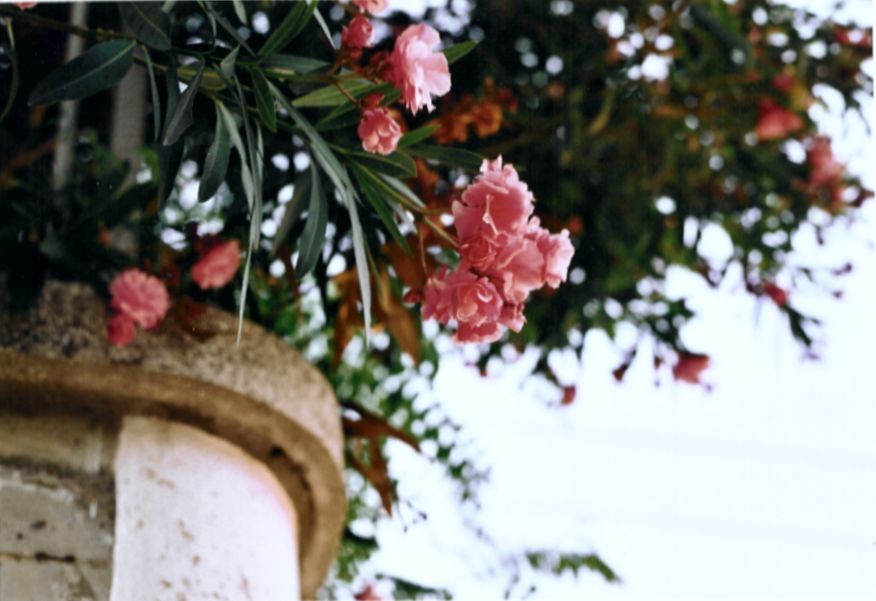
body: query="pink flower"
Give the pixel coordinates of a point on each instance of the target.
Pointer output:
(357, 34)
(826, 171)
(496, 203)
(472, 301)
(512, 317)
(783, 82)
(120, 329)
(218, 265)
(520, 268)
(141, 297)
(25, 5)
(775, 122)
(378, 131)
(418, 71)
(557, 251)
(372, 6)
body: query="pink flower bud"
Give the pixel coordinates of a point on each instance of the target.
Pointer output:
(378, 131)
(358, 33)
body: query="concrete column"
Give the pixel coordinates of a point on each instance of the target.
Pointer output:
(181, 467)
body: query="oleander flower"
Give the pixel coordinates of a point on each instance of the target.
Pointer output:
(417, 70)
(372, 6)
(557, 251)
(378, 131)
(218, 265)
(120, 329)
(141, 297)
(775, 122)
(472, 301)
(520, 268)
(358, 33)
(496, 203)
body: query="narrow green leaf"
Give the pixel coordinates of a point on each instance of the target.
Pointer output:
(264, 100)
(228, 27)
(323, 25)
(330, 95)
(289, 27)
(313, 236)
(401, 192)
(293, 210)
(182, 117)
(417, 135)
(397, 164)
(287, 65)
(169, 157)
(456, 52)
(226, 67)
(216, 162)
(99, 68)
(378, 203)
(245, 173)
(452, 157)
(156, 98)
(240, 10)
(147, 22)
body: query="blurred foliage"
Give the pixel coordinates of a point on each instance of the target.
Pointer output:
(633, 123)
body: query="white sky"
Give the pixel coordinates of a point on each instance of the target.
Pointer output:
(764, 487)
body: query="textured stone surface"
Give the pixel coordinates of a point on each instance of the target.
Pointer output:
(261, 396)
(56, 507)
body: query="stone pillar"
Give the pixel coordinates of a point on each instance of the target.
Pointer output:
(180, 467)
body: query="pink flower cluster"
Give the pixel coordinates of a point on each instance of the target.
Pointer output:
(139, 300)
(775, 122)
(505, 254)
(218, 265)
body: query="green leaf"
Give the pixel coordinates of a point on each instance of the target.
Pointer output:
(147, 22)
(313, 236)
(293, 210)
(398, 190)
(226, 67)
(240, 10)
(452, 157)
(288, 28)
(182, 117)
(228, 27)
(341, 180)
(264, 100)
(156, 99)
(324, 26)
(417, 135)
(99, 68)
(456, 52)
(330, 95)
(365, 178)
(397, 164)
(287, 65)
(169, 157)
(216, 162)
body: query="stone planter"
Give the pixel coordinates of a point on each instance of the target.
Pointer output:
(180, 467)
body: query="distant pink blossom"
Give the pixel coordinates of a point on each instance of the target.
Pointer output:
(775, 122)
(218, 265)
(358, 33)
(416, 69)
(25, 5)
(372, 6)
(141, 297)
(826, 171)
(121, 330)
(378, 131)
(690, 367)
